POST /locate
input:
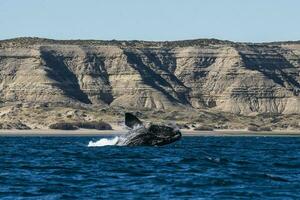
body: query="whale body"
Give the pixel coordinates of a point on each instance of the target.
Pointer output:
(147, 135)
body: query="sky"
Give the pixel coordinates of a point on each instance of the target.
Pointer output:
(158, 20)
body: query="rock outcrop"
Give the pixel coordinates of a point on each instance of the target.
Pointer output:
(240, 78)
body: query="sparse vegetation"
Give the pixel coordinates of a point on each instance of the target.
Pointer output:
(14, 125)
(76, 125)
(257, 128)
(63, 126)
(204, 128)
(25, 41)
(253, 128)
(183, 126)
(265, 128)
(93, 125)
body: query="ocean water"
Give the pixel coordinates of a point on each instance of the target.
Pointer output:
(193, 168)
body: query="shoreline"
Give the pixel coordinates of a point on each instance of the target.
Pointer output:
(92, 132)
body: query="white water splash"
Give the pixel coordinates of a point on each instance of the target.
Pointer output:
(104, 142)
(118, 140)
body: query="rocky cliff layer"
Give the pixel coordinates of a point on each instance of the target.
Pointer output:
(216, 75)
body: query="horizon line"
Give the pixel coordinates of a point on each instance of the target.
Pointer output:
(149, 41)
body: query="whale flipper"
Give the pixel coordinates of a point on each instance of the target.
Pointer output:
(131, 120)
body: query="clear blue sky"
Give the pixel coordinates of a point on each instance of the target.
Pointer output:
(236, 20)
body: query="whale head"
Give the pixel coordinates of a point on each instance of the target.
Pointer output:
(163, 134)
(150, 135)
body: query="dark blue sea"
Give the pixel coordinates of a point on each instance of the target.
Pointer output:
(193, 168)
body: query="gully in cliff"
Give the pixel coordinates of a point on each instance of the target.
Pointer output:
(147, 135)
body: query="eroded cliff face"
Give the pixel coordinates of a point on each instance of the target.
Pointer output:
(215, 75)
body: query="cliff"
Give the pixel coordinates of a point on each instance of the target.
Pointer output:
(240, 78)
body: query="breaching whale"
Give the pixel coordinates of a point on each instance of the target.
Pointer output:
(147, 135)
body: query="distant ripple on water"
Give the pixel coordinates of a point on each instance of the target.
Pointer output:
(193, 168)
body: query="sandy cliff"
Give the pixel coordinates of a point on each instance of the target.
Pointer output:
(208, 74)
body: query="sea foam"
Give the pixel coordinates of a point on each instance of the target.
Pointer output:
(104, 142)
(121, 140)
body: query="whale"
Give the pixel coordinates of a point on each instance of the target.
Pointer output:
(141, 134)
